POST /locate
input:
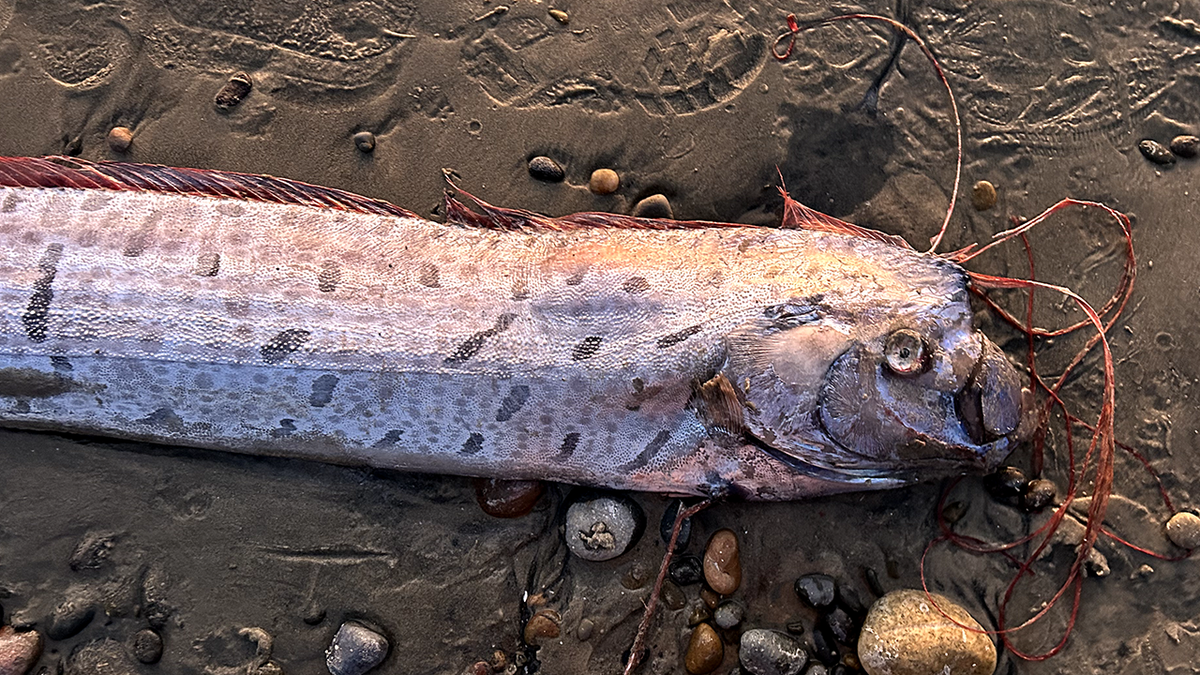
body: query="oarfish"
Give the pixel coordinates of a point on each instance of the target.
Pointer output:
(260, 315)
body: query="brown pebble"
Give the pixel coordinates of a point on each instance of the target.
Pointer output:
(722, 566)
(507, 498)
(585, 630)
(654, 206)
(983, 196)
(1183, 529)
(904, 634)
(1185, 146)
(546, 169)
(480, 668)
(364, 141)
(604, 182)
(236, 89)
(705, 651)
(636, 577)
(120, 138)
(1039, 494)
(700, 614)
(710, 597)
(560, 16)
(542, 626)
(18, 651)
(1155, 152)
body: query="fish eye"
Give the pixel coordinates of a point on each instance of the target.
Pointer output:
(904, 352)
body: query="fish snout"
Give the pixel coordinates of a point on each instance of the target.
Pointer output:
(994, 405)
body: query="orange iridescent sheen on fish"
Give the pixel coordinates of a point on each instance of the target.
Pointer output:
(259, 315)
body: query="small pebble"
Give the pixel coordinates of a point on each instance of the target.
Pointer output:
(769, 652)
(100, 657)
(729, 614)
(668, 524)
(1185, 146)
(364, 141)
(905, 635)
(236, 89)
(604, 182)
(314, 615)
(705, 651)
(507, 498)
(119, 139)
(69, 618)
(92, 550)
(636, 576)
(1039, 494)
(1006, 484)
(954, 511)
(479, 668)
(543, 626)
(654, 206)
(873, 581)
(983, 196)
(560, 16)
(795, 627)
(825, 645)
(816, 590)
(585, 630)
(146, 646)
(850, 599)
(686, 570)
(817, 669)
(722, 565)
(1183, 529)
(1155, 152)
(18, 651)
(843, 627)
(602, 528)
(700, 614)
(710, 597)
(355, 650)
(673, 596)
(544, 168)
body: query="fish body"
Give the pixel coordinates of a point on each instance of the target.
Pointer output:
(693, 358)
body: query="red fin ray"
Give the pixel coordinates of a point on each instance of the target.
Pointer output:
(70, 172)
(799, 216)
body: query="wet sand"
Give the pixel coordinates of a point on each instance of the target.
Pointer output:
(682, 99)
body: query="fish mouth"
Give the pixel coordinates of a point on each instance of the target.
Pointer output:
(993, 405)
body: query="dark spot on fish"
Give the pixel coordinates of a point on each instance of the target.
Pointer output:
(61, 364)
(587, 348)
(576, 278)
(10, 203)
(675, 338)
(638, 384)
(473, 444)
(793, 313)
(208, 264)
(520, 289)
(163, 417)
(322, 390)
(231, 209)
(389, 439)
(32, 383)
(136, 245)
(37, 313)
(516, 398)
(287, 427)
(635, 285)
(471, 346)
(570, 442)
(652, 448)
(21, 407)
(430, 276)
(94, 202)
(329, 277)
(282, 345)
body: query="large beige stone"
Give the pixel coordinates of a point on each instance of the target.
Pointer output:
(906, 635)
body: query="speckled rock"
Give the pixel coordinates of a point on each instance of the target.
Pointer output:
(722, 563)
(769, 652)
(69, 618)
(544, 168)
(816, 590)
(705, 651)
(355, 650)
(107, 657)
(119, 139)
(1183, 529)
(237, 88)
(729, 614)
(1185, 145)
(602, 528)
(18, 651)
(1155, 152)
(905, 635)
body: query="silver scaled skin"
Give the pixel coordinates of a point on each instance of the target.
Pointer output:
(763, 363)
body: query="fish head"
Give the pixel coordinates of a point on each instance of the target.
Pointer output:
(891, 393)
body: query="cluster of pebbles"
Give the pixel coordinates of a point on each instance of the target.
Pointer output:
(1186, 146)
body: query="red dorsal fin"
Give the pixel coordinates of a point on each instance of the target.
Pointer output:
(69, 172)
(799, 216)
(500, 218)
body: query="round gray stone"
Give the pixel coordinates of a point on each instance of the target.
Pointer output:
(355, 650)
(601, 528)
(770, 652)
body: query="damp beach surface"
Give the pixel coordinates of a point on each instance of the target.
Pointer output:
(214, 551)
